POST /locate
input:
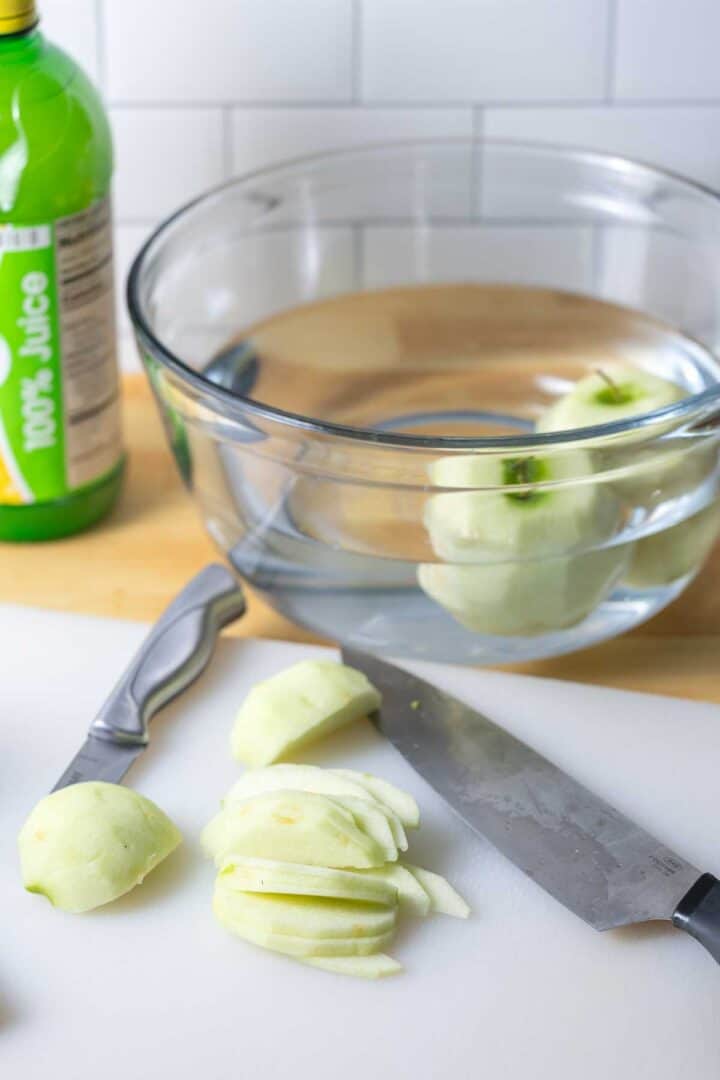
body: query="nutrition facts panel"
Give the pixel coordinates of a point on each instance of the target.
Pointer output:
(84, 267)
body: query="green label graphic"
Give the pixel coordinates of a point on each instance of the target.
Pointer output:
(32, 446)
(59, 401)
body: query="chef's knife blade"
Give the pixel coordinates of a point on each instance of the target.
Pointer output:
(174, 654)
(586, 854)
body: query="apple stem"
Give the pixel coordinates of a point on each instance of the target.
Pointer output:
(521, 474)
(611, 384)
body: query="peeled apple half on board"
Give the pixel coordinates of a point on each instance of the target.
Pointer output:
(297, 706)
(89, 843)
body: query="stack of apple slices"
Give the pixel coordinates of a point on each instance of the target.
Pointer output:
(308, 866)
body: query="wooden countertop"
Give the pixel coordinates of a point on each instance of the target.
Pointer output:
(123, 569)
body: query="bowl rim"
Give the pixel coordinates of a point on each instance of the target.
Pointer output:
(232, 404)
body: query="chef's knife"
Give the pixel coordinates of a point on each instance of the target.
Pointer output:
(175, 652)
(586, 854)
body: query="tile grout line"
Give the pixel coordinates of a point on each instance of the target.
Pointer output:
(478, 131)
(100, 47)
(358, 252)
(416, 106)
(595, 257)
(611, 45)
(356, 47)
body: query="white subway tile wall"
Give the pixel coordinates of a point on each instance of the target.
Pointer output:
(73, 25)
(483, 50)
(190, 143)
(667, 49)
(228, 50)
(685, 138)
(394, 255)
(263, 136)
(200, 92)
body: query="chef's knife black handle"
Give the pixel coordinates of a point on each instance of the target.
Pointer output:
(698, 914)
(175, 652)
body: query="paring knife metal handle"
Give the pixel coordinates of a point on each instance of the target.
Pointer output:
(176, 651)
(174, 654)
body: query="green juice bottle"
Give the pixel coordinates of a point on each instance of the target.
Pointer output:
(61, 457)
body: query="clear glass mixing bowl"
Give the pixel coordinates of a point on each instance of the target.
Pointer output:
(351, 352)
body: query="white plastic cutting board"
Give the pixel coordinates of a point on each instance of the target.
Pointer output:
(151, 987)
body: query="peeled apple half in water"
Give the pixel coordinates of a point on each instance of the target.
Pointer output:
(523, 519)
(614, 392)
(89, 843)
(672, 553)
(500, 575)
(525, 597)
(297, 705)
(649, 471)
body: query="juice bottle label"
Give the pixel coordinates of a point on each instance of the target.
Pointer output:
(59, 405)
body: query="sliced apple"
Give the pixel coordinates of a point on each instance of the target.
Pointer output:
(362, 967)
(443, 898)
(245, 874)
(287, 777)
(292, 826)
(258, 923)
(379, 821)
(400, 802)
(299, 947)
(396, 827)
(89, 843)
(373, 820)
(310, 916)
(412, 897)
(297, 705)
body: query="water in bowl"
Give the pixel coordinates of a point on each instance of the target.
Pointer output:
(343, 557)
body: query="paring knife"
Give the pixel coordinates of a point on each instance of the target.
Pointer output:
(591, 858)
(175, 652)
